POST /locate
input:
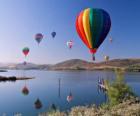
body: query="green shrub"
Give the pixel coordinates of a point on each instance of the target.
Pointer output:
(118, 90)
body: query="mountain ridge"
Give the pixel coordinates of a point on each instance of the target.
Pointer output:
(79, 64)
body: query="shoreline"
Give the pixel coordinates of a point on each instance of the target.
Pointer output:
(129, 107)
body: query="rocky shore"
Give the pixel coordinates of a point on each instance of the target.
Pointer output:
(126, 108)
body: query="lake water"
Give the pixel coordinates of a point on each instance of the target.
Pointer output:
(53, 87)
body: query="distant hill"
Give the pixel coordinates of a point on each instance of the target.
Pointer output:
(21, 66)
(78, 64)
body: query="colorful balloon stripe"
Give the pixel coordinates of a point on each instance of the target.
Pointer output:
(92, 26)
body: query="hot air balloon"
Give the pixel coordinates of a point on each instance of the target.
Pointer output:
(92, 26)
(106, 58)
(53, 34)
(69, 97)
(25, 90)
(25, 51)
(38, 37)
(110, 39)
(24, 63)
(38, 104)
(70, 44)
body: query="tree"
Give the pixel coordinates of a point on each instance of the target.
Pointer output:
(118, 90)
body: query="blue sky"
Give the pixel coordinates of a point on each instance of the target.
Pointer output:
(20, 20)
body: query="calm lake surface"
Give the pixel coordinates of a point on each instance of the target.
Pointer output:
(53, 87)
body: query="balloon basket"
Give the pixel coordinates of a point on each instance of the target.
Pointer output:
(93, 57)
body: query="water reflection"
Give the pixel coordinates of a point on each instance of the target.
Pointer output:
(23, 65)
(102, 87)
(70, 97)
(53, 107)
(38, 104)
(59, 87)
(63, 90)
(25, 90)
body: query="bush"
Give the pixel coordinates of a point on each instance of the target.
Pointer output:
(118, 91)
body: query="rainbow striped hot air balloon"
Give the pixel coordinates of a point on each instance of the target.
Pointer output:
(92, 26)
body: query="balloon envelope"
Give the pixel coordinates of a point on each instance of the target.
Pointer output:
(106, 58)
(53, 34)
(38, 37)
(92, 26)
(25, 51)
(70, 44)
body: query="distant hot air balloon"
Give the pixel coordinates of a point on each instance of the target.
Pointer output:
(25, 51)
(110, 39)
(106, 58)
(24, 63)
(92, 26)
(25, 90)
(38, 37)
(38, 104)
(53, 34)
(69, 97)
(70, 44)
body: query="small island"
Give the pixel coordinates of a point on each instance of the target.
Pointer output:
(3, 70)
(14, 78)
